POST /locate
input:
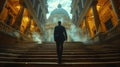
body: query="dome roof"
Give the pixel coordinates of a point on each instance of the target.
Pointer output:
(59, 10)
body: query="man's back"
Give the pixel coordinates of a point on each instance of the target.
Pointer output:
(59, 36)
(60, 33)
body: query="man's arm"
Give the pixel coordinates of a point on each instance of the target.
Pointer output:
(65, 34)
(54, 33)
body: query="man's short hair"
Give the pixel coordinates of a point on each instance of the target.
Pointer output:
(59, 22)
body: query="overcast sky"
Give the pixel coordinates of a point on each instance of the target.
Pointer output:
(66, 4)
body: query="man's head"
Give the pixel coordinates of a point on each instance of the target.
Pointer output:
(59, 22)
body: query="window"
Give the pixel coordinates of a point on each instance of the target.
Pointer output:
(76, 16)
(40, 11)
(109, 24)
(80, 5)
(32, 1)
(84, 1)
(36, 5)
(9, 19)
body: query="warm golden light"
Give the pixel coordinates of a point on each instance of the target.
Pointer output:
(32, 26)
(26, 19)
(92, 16)
(18, 7)
(98, 7)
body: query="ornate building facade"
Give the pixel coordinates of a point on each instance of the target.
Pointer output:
(38, 10)
(98, 19)
(20, 18)
(58, 14)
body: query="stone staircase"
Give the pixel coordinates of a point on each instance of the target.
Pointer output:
(76, 54)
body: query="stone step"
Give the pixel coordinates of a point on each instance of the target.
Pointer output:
(37, 48)
(107, 59)
(73, 54)
(64, 53)
(64, 56)
(42, 50)
(63, 64)
(70, 47)
(52, 50)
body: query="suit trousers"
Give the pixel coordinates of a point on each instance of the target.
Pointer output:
(59, 46)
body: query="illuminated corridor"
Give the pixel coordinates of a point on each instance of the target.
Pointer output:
(28, 26)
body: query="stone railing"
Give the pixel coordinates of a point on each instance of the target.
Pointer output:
(11, 31)
(112, 32)
(97, 37)
(7, 29)
(107, 35)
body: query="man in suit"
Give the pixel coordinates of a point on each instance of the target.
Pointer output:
(60, 36)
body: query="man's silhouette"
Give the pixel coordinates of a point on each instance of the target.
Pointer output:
(59, 36)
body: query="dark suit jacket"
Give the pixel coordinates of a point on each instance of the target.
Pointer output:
(60, 33)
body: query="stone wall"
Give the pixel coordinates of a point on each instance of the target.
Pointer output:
(6, 39)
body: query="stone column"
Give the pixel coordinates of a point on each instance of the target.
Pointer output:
(2, 4)
(18, 19)
(86, 34)
(87, 27)
(115, 10)
(96, 17)
(97, 20)
(27, 30)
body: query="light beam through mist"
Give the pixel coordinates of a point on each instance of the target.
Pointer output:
(36, 37)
